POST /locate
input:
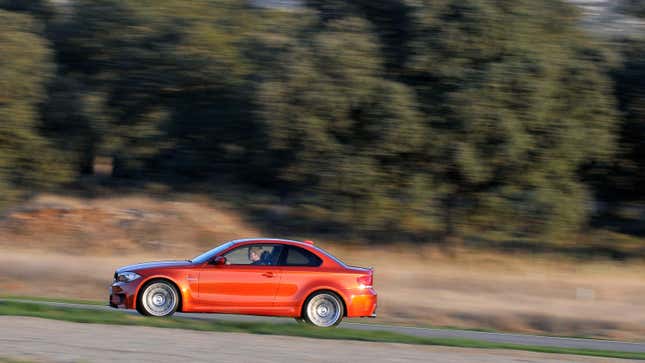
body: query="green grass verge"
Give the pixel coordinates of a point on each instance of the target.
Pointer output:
(55, 299)
(26, 298)
(364, 322)
(121, 318)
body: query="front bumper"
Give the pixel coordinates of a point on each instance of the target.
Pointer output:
(123, 295)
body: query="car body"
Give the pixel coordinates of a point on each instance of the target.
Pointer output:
(291, 278)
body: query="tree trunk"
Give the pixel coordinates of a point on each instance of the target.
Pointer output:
(451, 239)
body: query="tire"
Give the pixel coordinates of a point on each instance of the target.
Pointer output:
(323, 309)
(158, 298)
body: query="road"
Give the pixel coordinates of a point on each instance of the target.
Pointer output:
(60, 341)
(521, 339)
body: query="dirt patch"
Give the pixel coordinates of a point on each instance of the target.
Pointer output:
(110, 226)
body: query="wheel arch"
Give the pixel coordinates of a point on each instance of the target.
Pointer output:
(319, 290)
(153, 279)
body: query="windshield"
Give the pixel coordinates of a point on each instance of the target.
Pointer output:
(211, 253)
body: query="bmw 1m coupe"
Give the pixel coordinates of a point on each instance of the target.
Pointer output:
(259, 276)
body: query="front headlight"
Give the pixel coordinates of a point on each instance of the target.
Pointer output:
(127, 276)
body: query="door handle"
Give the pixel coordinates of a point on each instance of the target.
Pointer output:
(267, 274)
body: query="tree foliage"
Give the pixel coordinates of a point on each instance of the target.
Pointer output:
(514, 106)
(627, 176)
(26, 159)
(632, 7)
(424, 117)
(340, 129)
(42, 9)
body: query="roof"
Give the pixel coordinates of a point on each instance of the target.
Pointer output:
(265, 239)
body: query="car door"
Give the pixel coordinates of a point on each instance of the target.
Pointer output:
(299, 270)
(241, 285)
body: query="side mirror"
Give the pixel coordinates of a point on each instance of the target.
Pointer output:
(219, 260)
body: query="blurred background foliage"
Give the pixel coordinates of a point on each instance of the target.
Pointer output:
(425, 120)
(632, 7)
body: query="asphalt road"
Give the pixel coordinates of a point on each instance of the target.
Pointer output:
(61, 341)
(521, 339)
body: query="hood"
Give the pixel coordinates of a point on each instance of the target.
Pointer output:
(155, 264)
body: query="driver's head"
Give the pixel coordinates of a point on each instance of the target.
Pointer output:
(254, 253)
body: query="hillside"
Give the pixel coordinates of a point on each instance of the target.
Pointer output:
(118, 225)
(69, 247)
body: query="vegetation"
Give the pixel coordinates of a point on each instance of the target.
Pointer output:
(425, 119)
(25, 156)
(632, 7)
(120, 318)
(27, 298)
(12, 360)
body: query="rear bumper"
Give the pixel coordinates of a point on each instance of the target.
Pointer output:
(123, 295)
(362, 303)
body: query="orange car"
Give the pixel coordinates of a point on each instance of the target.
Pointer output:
(257, 276)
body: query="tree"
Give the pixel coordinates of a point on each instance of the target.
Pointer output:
(626, 177)
(412, 116)
(390, 20)
(42, 9)
(345, 137)
(632, 7)
(514, 92)
(163, 80)
(26, 160)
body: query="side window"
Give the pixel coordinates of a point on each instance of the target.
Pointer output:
(296, 256)
(260, 254)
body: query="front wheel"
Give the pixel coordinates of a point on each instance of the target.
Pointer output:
(159, 298)
(323, 309)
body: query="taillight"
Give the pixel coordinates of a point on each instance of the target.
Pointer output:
(365, 281)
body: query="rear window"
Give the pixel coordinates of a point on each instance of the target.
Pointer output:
(296, 256)
(330, 256)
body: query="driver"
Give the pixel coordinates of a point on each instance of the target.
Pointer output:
(254, 255)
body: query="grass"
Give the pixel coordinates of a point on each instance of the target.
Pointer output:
(54, 299)
(119, 318)
(26, 298)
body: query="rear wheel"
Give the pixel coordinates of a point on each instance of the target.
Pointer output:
(159, 298)
(323, 309)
